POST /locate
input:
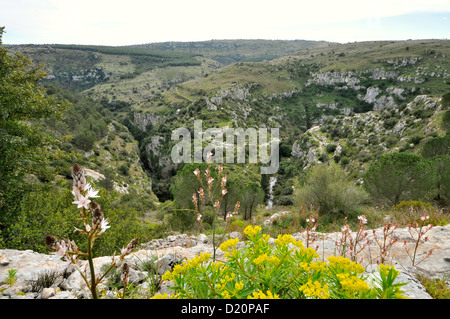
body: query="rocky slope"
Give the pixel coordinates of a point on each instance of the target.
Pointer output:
(165, 253)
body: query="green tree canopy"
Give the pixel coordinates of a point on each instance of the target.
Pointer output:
(436, 146)
(24, 147)
(400, 176)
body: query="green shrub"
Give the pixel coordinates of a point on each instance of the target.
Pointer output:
(237, 225)
(327, 188)
(414, 204)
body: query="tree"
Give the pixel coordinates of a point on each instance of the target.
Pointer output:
(400, 176)
(441, 165)
(186, 184)
(327, 188)
(436, 146)
(251, 196)
(25, 148)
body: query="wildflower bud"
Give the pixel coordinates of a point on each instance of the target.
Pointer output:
(68, 243)
(201, 194)
(224, 181)
(125, 274)
(97, 214)
(79, 179)
(132, 244)
(236, 207)
(51, 242)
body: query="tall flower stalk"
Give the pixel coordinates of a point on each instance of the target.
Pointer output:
(386, 241)
(95, 224)
(417, 232)
(352, 244)
(211, 196)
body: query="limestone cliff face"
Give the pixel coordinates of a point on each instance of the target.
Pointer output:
(377, 131)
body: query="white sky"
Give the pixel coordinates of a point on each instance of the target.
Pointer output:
(112, 22)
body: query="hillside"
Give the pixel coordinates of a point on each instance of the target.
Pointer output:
(364, 89)
(377, 112)
(347, 103)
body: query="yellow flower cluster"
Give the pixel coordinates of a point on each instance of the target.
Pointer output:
(342, 264)
(229, 243)
(315, 290)
(386, 268)
(315, 266)
(262, 258)
(305, 253)
(286, 239)
(252, 231)
(231, 291)
(352, 285)
(265, 238)
(261, 295)
(239, 286)
(190, 264)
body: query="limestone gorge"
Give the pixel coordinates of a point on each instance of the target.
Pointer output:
(363, 135)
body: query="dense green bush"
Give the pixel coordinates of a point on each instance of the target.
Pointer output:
(328, 189)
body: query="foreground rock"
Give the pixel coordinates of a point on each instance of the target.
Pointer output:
(63, 281)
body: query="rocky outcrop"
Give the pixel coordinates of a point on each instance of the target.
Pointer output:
(165, 253)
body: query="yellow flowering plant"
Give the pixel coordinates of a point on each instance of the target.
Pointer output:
(280, 270)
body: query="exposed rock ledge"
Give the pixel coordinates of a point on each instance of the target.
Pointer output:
(173, 249)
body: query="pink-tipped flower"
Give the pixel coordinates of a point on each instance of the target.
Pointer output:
(91, 193)
(201, 194)
(104, 226)
(197, 172)
(217, 204)
(224, 191)
(224, 181)
(199, 217)
(236, 207)
(76, 193)
(362, 219)
(62, 248)
(82, 202)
